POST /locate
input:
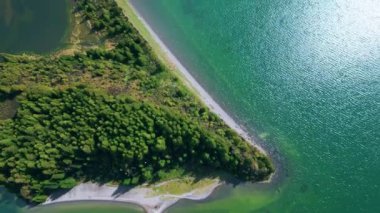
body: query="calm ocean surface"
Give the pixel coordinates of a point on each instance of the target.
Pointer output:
(304, 76)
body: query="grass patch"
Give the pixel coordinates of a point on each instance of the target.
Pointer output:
(183, 185)
(80, 37)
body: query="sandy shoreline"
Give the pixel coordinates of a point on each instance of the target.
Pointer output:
(145, 196)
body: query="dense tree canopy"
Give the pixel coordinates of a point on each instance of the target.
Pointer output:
(139, 121)
(59, 136)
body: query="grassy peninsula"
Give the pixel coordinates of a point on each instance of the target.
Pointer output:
(110, 112)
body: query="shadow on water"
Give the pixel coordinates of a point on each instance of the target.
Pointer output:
(9, 203)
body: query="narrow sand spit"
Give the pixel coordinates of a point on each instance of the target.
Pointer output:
(144, 196)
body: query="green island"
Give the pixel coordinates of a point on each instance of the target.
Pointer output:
(107, 109)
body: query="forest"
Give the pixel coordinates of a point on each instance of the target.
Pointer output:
(108, 115)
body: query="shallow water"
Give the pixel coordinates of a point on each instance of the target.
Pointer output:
(305, 77)
(37, 26)
(88, 207)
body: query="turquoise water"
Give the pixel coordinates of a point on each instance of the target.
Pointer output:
(9, 202)
(304, 75)
(36, 26)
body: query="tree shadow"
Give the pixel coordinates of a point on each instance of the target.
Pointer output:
(121, 190)
(58, 194)
(8, 104)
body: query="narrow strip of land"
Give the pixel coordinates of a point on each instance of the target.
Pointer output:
(146, 196)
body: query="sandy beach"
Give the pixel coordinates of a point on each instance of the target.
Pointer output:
(145, 196)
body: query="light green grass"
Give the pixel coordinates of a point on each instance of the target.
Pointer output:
(184, 185)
